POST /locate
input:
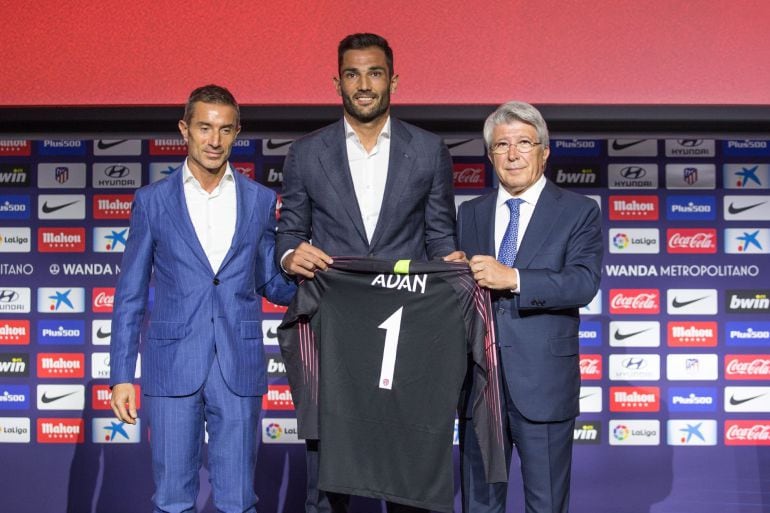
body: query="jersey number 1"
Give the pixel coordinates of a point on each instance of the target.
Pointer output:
(392, 327)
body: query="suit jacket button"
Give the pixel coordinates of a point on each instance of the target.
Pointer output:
(216, 281)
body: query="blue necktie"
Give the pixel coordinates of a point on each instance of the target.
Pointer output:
(508, 249)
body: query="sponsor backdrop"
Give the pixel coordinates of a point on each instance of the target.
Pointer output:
(674, 349)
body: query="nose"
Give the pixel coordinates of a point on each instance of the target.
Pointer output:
(513, 153)
(216, 138)
(364, 83)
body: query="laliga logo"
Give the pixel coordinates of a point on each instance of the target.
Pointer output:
(620, 432)
(273, 430)
(620, 241)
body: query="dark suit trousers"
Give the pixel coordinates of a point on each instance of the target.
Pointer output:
(545, 453)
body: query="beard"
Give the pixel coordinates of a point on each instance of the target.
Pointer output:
(370, 113)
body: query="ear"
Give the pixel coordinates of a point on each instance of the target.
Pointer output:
(184, 130)
(337, 85)
(393, 83)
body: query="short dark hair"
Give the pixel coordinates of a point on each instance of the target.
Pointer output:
(361, 41)
(211, 94)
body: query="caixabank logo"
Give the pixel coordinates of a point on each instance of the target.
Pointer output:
(110, 239)
(113, 431)
(747, 241)
(14, 365)
(691, 432)
(746, 176)
(754, 301)
(60, 300)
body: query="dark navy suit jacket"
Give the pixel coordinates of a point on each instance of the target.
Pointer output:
(417, 220)
(559, 263)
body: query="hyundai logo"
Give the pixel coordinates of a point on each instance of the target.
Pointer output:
(634, 363)
(633, 172)
(8, 296)
(690, 143)
(117, 171)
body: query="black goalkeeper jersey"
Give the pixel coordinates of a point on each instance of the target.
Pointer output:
(376, 353)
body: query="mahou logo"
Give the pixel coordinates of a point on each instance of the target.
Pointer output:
(15, 148)
(747, 366)
(692, 240)
(168, 147)
(61, 240)
(747, 432)
(634, 301)
(246, 169)
(469, 175)
(61, 365)
(692, 334)
(278, 397)
(633, 208)
(590, 366)
(103, 299)
(101, 396)
(14, 332)
(634, 399)
(60, 431)
(268, 307)
(112, 206)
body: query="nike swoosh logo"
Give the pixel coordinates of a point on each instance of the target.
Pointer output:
(622, 146)
(585, 396)
(456, 144)
(103, 334)
(736, 402)
(622, 336)
(274, 145)
(47, 399)
(48, 209)
(737, 210)
(679, 304)
(272, 333)
(107, 145)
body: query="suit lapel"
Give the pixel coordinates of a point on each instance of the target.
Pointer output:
(334, 162)
(547, 212)
(484, 224)
(245, 203)
(400, 163)
(177, 211)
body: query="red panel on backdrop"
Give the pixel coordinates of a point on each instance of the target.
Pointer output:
(269, 53)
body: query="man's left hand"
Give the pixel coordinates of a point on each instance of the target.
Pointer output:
(491, 274)
(456, 256)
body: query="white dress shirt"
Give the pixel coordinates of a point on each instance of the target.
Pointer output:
(213, 214)
(369, 172)
(526, 209)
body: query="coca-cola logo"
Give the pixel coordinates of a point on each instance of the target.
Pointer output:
(692, 240)
(634, 301)
(747, 432)
(591, 366)
(103, 299)
(747, 367)
(469, 175)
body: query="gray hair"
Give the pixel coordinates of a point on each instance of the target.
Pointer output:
(516, 111)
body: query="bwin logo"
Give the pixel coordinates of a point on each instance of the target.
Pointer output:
(690, 143)
(116, 171)
(8, 296)
(633, 172)
(635, 363)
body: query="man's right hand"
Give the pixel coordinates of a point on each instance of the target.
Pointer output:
(123, 402)
(305, 260)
